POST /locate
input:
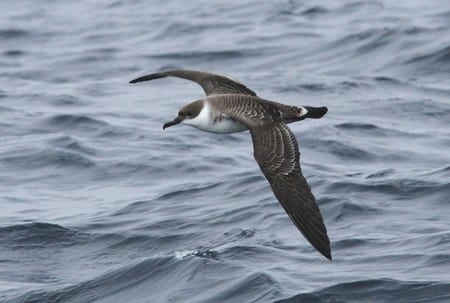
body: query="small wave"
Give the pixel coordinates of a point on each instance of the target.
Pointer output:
(13, 33)
(69, 121)
(443, 172)
(38, 158)
(398, 189)
(433, 109)
(432, 62)
(39, 234)
(165, 279)
(208, 55)
(72, 123)
(14, 53)
(352, 210)
(240, 233)
(107, 284)
(138, 207)
(377, 290)
(191, 191)
(350, 243)
(176, 28)
(5, 109)
(363, 126)
(315, 87)
(438, 260)
(366, 41)
(71, 144)
(129, 242)
(93, 56)
(314, 10)
(381, 173)
(65, 100)
(389, 80)
(374, 39)
(340, 149)
(255, 287)
(240, 252)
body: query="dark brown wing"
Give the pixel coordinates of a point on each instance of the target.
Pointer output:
(276, 151)
(212, 84)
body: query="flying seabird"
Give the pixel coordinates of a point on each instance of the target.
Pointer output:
(230, 106)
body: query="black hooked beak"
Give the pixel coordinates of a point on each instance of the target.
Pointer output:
(175, 121)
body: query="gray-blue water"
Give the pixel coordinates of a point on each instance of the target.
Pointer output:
(99, 204)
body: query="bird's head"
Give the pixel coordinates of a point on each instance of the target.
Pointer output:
(186, 114)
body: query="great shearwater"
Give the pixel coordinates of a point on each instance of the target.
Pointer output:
(229, 107)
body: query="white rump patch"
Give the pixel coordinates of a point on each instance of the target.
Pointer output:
(304, 111)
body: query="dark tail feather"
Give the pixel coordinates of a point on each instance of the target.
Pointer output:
(315, 112)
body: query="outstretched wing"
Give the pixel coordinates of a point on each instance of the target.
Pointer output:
(212, 84)
(276, 151)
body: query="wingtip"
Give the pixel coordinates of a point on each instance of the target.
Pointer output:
(148, 77)
(140, 79)
(326, 252)
(135, 80)
(322, 246)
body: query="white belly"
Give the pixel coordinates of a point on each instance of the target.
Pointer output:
(224, 126)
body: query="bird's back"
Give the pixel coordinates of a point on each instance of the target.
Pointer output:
(259, 108)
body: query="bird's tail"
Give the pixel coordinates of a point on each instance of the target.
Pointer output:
(315, 112)
(298, 113)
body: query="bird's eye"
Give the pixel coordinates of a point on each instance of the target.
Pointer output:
(184, 114)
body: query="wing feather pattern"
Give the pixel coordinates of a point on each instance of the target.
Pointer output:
(276, 151)
(277, 154)
(212, 84)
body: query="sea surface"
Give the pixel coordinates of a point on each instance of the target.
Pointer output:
(99, 204)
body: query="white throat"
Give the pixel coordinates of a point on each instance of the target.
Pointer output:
(203, 119)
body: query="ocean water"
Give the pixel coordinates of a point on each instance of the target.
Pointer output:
(99, 204)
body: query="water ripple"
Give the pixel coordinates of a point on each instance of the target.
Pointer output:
(379, 290)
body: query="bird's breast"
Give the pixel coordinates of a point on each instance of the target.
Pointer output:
(215, 122)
